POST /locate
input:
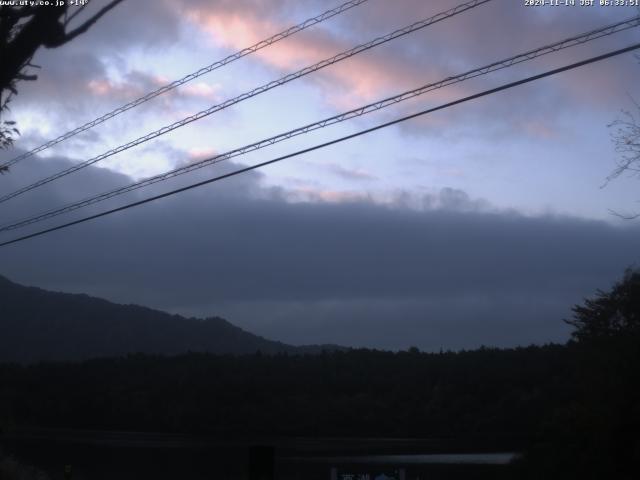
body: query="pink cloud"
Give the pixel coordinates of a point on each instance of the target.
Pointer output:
(445, 49)
(237, 30)
(350, 173)
(539, 129)
(201, 90)
(363, 78)
(100, 87)
(196, 154)
(134, 85)
(320, 195)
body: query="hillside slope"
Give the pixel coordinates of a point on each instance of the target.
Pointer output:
(38, 325)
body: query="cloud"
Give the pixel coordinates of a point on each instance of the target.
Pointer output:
(452, 273)
(94, 73)
(202, 90)
(460, 322)
(135, 84)
(363, 78)
(435, 53)
(66, 71)
(331, 262)
(350, 173)
(148, 25)
(103, 69)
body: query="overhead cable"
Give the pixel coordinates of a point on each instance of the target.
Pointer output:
(492, 67)
(192, 76)
(256, 91)
(332, 142)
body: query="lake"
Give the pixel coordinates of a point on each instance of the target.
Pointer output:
(134, 455)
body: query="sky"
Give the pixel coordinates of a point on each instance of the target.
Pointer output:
(481, 224)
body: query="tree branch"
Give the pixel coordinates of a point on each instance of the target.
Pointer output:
(17, 13)
(86, 25)
(632, 216)
(74, 14)
(22, 76)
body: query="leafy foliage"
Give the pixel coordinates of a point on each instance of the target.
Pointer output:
(11, 469)
(7, 130)
(594, 433)
(574, 408)
(496, 397)
(611, 313)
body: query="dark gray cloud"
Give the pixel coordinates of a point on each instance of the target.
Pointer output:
(455, 274)
(146, 24)
(66, 73)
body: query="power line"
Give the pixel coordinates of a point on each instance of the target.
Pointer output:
(331, 142)
(516, 59)
(192, 76)
(257, 91)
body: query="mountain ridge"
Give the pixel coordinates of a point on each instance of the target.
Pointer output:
(42, 325)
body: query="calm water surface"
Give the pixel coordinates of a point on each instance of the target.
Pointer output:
(109, 455)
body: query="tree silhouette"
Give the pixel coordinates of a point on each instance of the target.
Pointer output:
(23, 30)
(626, 140)
(610, 313)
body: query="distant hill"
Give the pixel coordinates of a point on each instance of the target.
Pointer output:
(38, 325)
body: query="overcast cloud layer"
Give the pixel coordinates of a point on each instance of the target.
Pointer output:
(481, 224)
(447, 271)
